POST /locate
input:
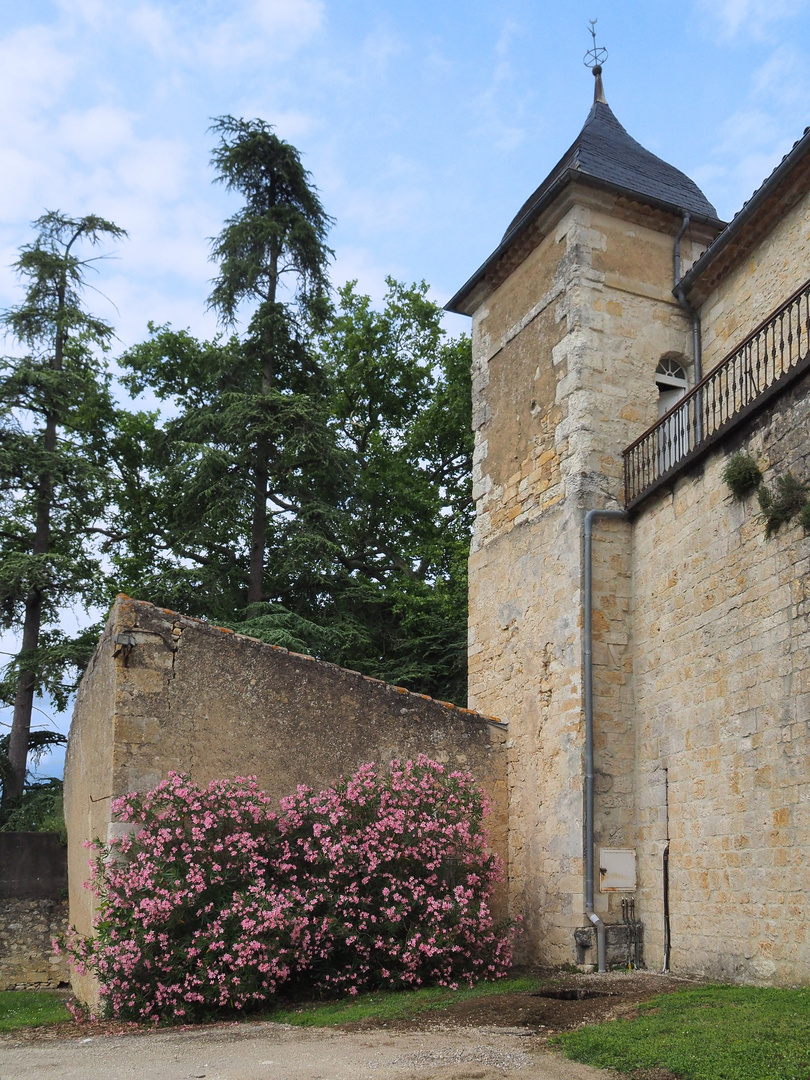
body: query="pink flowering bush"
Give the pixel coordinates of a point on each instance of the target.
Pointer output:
(216, 902)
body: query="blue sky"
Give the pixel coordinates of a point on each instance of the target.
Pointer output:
(424, 125)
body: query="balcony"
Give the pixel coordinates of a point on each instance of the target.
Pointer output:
(777, 352)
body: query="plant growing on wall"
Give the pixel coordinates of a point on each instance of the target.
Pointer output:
(215, 902)
(780, 506)
(788, 501)
(742, 475)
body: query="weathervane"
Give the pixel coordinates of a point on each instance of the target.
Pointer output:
(594, 58)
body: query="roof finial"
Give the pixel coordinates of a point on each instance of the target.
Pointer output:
(594, 58)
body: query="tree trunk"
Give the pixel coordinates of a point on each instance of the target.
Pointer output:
(23, 703)
(26, 682)
(258, 530)
(261, 467)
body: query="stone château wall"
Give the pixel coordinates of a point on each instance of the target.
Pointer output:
(552, 414)
(721, 621)
(750, 290)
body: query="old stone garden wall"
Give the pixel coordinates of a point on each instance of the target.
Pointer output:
(164, 693)
(33, 910)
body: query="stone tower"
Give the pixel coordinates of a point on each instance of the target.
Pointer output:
(573, 314)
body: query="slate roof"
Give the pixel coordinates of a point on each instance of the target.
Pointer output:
(605, 152)
(604, 155)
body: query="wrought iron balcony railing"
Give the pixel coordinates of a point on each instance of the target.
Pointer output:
(774, 354)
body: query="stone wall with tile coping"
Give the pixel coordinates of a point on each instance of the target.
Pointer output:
(190, 697)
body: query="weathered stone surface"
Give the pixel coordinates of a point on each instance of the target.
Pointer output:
(722, 665)
(750, 290)
(27, 958)
(550, 397)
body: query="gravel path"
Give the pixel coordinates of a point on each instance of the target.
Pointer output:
(279, 1052)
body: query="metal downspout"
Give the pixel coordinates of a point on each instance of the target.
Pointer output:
(676, 251)
(590, 517)
(697, 345)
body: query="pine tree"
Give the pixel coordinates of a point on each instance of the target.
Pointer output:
(55, 414)
(271, 253)
(311, 483)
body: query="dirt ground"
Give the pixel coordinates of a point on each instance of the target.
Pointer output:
(493, 1037)
(562, 1002)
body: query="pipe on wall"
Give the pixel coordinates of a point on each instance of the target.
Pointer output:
(676, 251)
(697, 344)
(587, 620)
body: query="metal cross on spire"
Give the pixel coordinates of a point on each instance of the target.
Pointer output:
(594, 58)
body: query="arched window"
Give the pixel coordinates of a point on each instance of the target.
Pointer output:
(670, 378)
(673, 435)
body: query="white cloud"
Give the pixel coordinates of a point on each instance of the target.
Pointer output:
(752, 142)
(154, 169)
(378, 48)
(360, 264)
(292, 125)
(376, 209)
(295, 20)
(95, 134)
(185, 33)
(95, 13)
(783, 78)
(748, 18)
(152, 26)
(746, 128)
(257, 29)
(34, 72)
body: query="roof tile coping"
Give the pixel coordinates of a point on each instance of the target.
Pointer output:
(494, 720)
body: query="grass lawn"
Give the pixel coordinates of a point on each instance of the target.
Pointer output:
(386, 1005)
(707, 1033)
(30, 1008)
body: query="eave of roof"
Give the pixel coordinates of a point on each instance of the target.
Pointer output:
(749, 212)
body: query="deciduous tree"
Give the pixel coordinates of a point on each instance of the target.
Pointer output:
(379, 578)
(369, 534)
